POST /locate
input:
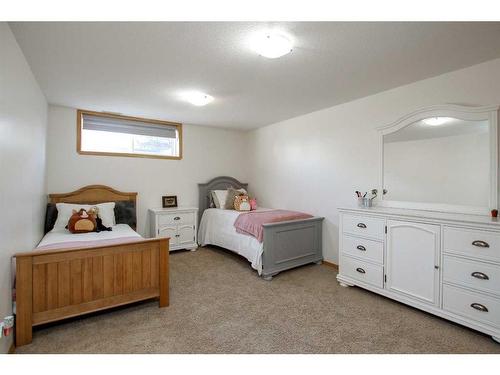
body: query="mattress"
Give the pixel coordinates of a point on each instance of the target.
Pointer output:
(58, 239)
(217, 228)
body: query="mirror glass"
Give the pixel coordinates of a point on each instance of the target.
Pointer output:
(438, 160)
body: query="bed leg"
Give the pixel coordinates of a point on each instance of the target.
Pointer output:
(164, 273)
(24, 300)
(269, 276)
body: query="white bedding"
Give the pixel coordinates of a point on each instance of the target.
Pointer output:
(63, 235)
(217, 228)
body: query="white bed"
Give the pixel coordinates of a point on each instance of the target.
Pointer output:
(217, 228)
(63, 236)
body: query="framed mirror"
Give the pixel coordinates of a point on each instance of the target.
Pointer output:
(441, 158)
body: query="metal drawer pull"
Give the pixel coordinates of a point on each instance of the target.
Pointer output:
(361, 247)
(177, 235)
(479, 307)
(360, 270)
(177, 218)
(361, 225)
(480, 275)
(480, 243)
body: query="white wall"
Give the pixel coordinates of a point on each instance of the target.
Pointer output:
(315, 162)
(207, 153)
(23, 122)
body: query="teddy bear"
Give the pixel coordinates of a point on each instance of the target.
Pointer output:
(242, 203)
(82, 222)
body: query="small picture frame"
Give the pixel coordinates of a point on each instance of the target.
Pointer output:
(169, 201)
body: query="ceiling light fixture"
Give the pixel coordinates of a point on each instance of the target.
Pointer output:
(197, 98)
(271, 45)
(436, 121)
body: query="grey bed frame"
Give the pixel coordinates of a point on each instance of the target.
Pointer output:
(287, 244)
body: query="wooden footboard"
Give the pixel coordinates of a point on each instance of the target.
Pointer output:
(56, 284)
(290, 244)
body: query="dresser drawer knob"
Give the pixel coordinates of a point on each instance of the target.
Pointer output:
(177, 235)
(177, 218)
(480, 243)
(361, 225)
(479, 307)
(480, 275)
(360, 270)
(361, 247)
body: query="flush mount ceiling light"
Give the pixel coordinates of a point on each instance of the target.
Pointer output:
(197, 98)
(436, 121)
(271, 45)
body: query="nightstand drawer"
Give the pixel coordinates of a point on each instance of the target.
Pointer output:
(176, 218)
(363, 226)
(363, 248)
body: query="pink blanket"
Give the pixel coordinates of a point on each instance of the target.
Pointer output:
(251, 223)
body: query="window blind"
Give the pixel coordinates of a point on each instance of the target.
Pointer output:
(117, 125)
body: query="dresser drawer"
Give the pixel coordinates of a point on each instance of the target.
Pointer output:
(363, 248)
(473, 274)
(363, 226)
(471, 305)
(362, 271)
(176, 218)
(472, 243)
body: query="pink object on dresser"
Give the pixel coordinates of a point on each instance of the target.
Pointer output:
(251, 223)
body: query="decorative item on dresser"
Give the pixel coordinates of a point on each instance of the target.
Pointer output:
(169, 201)
(432, 244)
(180, 224)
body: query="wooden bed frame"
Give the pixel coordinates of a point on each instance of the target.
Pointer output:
(56, 284)
(287, 244)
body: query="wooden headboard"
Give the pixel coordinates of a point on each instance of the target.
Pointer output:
(217, 183)
(94, 194)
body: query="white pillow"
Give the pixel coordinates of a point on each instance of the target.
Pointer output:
(107, 213)
(65, 210)
(220, 196)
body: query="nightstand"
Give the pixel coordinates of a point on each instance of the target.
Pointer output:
(180, 224)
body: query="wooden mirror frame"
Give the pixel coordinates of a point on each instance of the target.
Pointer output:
(489, 113)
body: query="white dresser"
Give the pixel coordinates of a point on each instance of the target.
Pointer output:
(180, 224)
(446, 264)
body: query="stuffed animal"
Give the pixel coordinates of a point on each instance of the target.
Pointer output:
(82, 222)
(253, 204)
(242, 203)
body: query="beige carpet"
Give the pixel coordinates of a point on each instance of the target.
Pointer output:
(219, 305)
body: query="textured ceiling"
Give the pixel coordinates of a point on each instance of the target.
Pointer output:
(140, 68)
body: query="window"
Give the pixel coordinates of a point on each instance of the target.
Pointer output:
(116, 135)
